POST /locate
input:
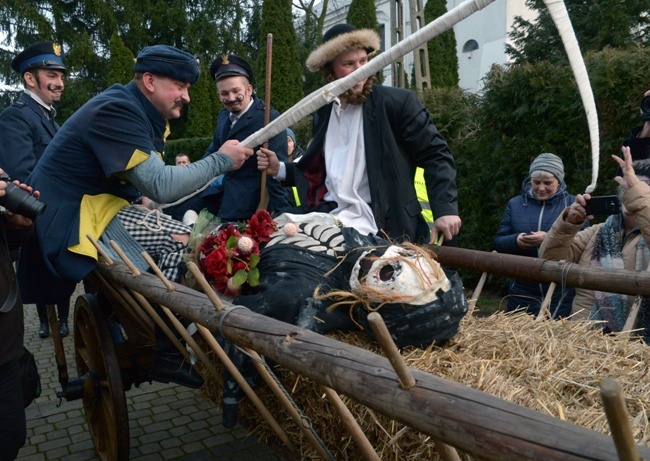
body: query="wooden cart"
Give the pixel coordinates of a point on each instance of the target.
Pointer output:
(113, 334)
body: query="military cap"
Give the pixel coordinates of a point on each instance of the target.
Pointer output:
(230, 65)
(170, 62)
(41, 55)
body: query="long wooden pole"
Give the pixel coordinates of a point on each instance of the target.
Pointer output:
(542, 270)
(479, 424)
(264, 196)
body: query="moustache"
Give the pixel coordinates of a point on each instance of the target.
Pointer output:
(54, 88)
(238, 100)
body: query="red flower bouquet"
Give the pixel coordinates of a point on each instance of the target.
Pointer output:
(229, 256)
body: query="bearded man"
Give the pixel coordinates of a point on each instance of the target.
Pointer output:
(367, 144)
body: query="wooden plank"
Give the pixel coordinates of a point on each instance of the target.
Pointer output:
(477, 423)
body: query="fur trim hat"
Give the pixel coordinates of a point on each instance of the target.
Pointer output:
(341, 38)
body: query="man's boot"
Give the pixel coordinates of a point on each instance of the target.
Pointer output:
(44, 330)
(169, 365)
(64, 308)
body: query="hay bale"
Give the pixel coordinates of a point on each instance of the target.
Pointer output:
(553, 367)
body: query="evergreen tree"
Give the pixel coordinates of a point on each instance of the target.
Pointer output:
(443, 61)
(286, 71)
(310, 31)
(121, 64)
(362, 15)
(597, 24)
(202, 111)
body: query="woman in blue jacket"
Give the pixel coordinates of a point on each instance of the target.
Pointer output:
(523, 227)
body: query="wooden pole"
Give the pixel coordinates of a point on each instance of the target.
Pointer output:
(406, 379)
(264, 197)
(366, 448)
(545, 271)
(544, 307)
(619, 420)
(479, 424)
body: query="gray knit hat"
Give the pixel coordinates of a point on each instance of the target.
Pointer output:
(550, 163)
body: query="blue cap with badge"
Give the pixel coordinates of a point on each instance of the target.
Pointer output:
(170, 62)
(231, 65)
(41, 55)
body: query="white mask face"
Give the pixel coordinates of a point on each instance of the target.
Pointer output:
(400, 275)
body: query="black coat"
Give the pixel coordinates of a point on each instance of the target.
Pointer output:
(399, 136)
(26, 133)
(241, 188)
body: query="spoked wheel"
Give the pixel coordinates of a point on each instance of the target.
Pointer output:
(104, 400)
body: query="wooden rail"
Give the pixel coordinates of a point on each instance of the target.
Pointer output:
(477, 423)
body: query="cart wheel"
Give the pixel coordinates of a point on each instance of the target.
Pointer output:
(104, 400)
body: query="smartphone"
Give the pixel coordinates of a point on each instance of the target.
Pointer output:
(602, 206)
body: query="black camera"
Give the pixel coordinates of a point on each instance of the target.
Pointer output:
(20, 201)
(645, 108)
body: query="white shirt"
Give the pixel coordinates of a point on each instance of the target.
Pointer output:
(347, 174)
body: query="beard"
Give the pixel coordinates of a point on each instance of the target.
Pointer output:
(356, 99)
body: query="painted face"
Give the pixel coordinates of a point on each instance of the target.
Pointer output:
(47, 84)
(235, 93)
(169, 96)
(399, 275)
(544, 186)
(347, 62)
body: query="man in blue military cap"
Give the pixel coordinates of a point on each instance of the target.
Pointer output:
(29, 127)
(105, 158)
(242, 116)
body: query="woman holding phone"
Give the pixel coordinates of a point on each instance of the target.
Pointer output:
(523, 227)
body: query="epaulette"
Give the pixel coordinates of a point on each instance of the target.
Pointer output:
(19, 103)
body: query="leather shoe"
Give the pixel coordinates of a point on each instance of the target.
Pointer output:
(173, 368)
(44, 331)
(63, 329)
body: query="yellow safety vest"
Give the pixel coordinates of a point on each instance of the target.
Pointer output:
(423, 197)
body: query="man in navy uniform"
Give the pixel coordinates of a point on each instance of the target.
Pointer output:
(29, 126)
(105, 158)
(242, 116)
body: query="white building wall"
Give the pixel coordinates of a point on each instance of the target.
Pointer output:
(488, 27)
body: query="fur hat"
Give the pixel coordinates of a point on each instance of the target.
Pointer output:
(341, 38)
(549, 163)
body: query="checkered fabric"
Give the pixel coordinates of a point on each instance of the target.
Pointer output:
(153, 231)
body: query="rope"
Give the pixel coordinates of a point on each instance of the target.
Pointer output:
(157, 213)
(227, 311)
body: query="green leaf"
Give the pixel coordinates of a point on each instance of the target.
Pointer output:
(255, 259)
(232, 241)
(239, 278)
(254, 277)
(229, 266)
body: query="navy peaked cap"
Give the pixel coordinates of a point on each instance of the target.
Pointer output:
(170, 62)
(41, 55)
(230, 65)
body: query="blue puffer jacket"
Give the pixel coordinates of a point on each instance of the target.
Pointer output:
(525, 214)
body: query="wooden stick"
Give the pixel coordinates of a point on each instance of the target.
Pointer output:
(100, 250)
(264, 198)
(404, 375)
(367, 450)
(205, 286)
(288, 406)
(619, 420)
(631, 318)
(378, 326)
(543, 309)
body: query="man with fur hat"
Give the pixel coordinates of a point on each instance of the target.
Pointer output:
(29, 127)
(243, 115)
(366, 147)
(107, 156)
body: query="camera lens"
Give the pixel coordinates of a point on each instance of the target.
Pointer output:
(19, 201)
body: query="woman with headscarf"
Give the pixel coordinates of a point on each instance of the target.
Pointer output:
(523, 227)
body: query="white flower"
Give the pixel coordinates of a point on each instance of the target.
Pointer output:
(231, 288)
(245, 244)
(290, 229)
